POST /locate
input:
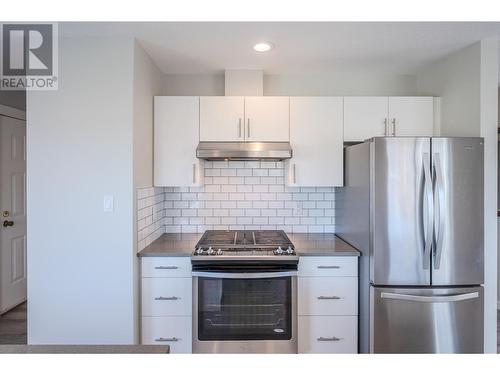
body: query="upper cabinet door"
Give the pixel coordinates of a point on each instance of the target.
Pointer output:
(411, 116)
(267, 119)
(316, 136)
(221, 118)
(365, 117)
(176, 135)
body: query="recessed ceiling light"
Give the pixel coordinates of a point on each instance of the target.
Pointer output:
(263, 47)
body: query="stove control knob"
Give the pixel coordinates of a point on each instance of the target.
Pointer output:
(278, 251)
(199, 251)
(290, 251)
(210, 251)
(219, 252)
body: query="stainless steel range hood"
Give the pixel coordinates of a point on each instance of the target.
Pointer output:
(243, 150)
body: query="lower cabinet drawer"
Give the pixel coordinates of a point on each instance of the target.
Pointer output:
(328, 295)
(174, 331)
(328, 334)
(167, 296)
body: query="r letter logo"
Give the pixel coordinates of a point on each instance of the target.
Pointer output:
(29, 57)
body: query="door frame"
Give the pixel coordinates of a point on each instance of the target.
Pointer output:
(19, 115)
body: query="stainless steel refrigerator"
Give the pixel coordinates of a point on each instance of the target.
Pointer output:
(414, 208)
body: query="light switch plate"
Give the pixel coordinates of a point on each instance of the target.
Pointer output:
(108, 204)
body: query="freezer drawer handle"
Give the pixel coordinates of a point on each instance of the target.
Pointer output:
(333, 338)
(328, 267)
(166, 268)
(167, 339)
(173, 298)
(430, 299)
(329, 297)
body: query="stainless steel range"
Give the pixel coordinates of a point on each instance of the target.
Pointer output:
(244, 293)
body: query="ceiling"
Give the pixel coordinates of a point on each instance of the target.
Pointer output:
(300, 47)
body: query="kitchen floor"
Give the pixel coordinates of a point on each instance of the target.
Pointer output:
(13, 327)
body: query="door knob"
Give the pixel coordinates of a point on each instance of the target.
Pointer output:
(7, 223)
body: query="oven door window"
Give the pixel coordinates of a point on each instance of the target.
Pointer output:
(244, 309)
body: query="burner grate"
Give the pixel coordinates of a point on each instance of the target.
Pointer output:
(264, 239)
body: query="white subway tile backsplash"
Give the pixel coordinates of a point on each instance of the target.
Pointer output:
(236, 195)
(228, 188)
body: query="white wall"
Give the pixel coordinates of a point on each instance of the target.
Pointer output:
(299, 84)
(467, 83)
(193, 84)
(341, 84)
(147, 82)
(79, 142)
(456, 79)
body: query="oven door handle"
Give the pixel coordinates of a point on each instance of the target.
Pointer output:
(244, 275)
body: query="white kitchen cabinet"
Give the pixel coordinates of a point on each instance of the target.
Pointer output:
(166, 303)
(221, 119)
(166, 296)
(328, 334)
(267, 119)
(411, 116)
(365, 117)
(327, 304)
(166, 267)
(316, 137)
(175, 331)
(377, 116)
(327, 266)
(328, 296)
(176, 136)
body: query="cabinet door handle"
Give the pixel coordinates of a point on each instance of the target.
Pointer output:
(329, 297)
(394, 127)
(167, 339)
(173, 298)
(294, 173)
(194, 173)
(333, 338)
(386, 133)
(328, 267)
(239, 127)
(166, 268)
(248, 128)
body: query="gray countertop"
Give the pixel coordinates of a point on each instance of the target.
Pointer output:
(84, 349)
(306, 244)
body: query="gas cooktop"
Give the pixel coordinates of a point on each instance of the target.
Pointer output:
(253, 245)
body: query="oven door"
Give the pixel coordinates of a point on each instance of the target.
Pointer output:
(245, 312)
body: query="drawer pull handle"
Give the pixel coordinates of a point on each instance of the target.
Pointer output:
(166, 268)
(329, 297)
(333, 338)
(167, 339)
(173, 298)
(329, 267)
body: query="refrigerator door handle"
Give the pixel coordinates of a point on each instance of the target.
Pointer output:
(439, 198)
(430, 299)
(427, 211)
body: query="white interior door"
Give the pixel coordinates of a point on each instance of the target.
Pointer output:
(267, 119)
(13, 212)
